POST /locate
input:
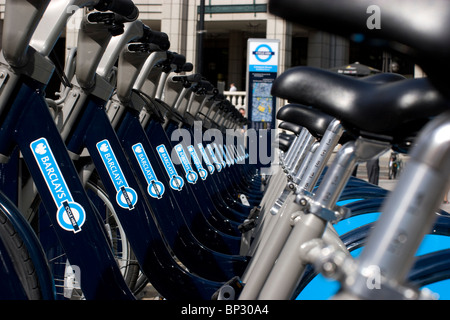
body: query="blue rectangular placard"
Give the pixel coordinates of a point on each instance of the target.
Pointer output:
(126, 196)
(155, 187)
(175, 181)
(70, 215)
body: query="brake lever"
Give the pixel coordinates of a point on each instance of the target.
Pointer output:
(115, 21)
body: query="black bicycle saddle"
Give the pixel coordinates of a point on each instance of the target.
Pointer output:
(418, 28)
(289, 126)
(284, 142)
(312, 119)
(381, 78)
(394, 109)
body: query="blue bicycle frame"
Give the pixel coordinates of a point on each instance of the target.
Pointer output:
(26, 123)
(30, 126)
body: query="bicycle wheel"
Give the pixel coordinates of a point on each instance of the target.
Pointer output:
(121, 247)
(20, 256)
(64, 274)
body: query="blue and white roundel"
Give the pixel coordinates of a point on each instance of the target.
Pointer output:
(210, 168)
(71, 216)
(191, 176)
(176, 182)
(203, 173)
(126, 197)
(263, 53)
(155, 189)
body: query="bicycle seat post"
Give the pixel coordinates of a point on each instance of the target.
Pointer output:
(135, 63)
(309, 172)
(291, 155)
(317, 212)
(275, 235)
(407, 215)
(328, 143)
(291, 166)
(93, 39)
(15, 49)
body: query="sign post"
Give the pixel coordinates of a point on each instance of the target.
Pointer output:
(262, 69)
(263, 59)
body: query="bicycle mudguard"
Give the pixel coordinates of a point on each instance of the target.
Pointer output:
(230, 180)
(136, 217)
(222, 184)
(430, 268)
(226, 202)
(68, 207)
(363, 192)
(432, 263)
(366, 211)
(185, 197)
(149, 247)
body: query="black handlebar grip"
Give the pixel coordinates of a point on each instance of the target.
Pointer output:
(196, 77)
(125, 8)
(187, 67)
(160, 39)
(207, 86)
(177, 59)
(178, 78)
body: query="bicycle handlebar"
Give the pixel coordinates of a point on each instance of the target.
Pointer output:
(188, 80)
(157, 38)
(176, 59)
(125, 8)
(196, 77)
(204, 87)
(187, 67)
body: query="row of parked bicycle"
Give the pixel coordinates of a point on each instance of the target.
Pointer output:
(139, 173)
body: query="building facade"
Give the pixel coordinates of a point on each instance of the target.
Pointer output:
(228, 24)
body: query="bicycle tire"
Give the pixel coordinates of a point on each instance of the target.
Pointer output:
(129, 266)
(23, 264)
(130, 269)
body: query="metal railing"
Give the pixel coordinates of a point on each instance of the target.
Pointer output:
(237, 98)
